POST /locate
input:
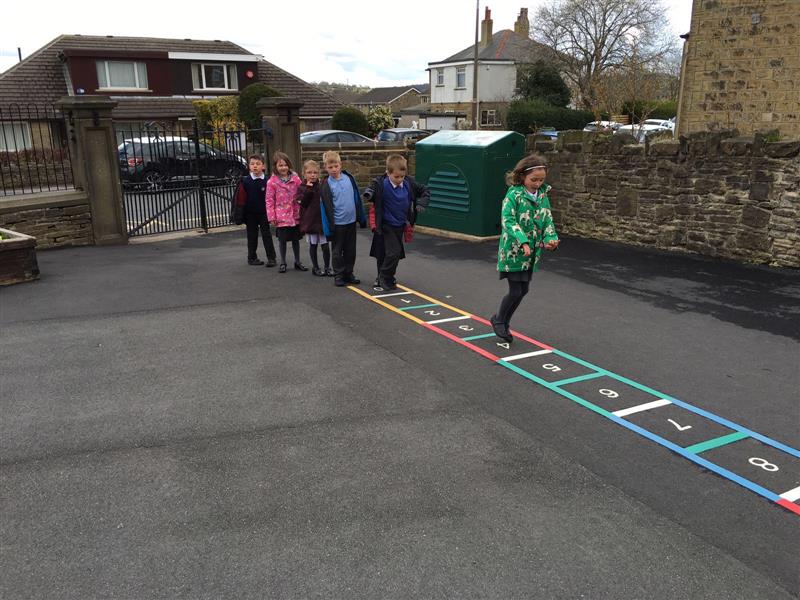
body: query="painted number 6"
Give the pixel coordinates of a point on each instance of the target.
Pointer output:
(609, 393)
(760, 462)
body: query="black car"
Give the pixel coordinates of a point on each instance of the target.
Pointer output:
(152, 162)
(401, 134)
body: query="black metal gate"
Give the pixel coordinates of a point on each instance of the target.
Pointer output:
(180, 178)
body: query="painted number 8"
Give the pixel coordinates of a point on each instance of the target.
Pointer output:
(760, 462)
(609, 393)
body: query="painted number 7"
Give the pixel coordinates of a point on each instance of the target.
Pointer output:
(678, 425)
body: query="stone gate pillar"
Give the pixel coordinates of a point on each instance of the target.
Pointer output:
(282, 117)
(95, 163)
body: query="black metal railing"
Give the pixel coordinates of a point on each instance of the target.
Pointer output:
(178, 178)
(34, 150)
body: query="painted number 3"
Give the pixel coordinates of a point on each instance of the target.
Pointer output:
(760, 462)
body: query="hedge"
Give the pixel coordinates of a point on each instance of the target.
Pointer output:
(526, 116)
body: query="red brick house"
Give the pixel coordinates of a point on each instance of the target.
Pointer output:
(152, 79)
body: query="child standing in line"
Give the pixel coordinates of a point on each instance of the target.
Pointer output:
(283, 209)
(249, 209)
(311, 218)
(397, 198)
(527, 227)
(341, 208)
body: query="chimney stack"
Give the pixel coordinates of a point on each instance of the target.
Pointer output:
(486, 29)
(523, 25)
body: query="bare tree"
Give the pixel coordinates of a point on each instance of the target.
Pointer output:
(593, 37)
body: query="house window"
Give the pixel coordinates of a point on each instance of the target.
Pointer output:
(461, 77)
(115, 74)
(439, 76)
(212, 76)
(14, 136)
(489, 118)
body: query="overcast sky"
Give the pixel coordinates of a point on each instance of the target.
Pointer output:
(369, 42)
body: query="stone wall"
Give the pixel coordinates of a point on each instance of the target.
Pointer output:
(742, 67)
(54, 219)
(711, 193)
(363, 163)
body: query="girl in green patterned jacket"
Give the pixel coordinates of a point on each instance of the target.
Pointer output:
(527, 227)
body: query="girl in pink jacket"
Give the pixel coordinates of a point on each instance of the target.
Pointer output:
(283, 209)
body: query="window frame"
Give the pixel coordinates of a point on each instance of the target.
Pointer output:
(137, 82)
(440, 77)
(495, 122)
(25, 130)
(461, 71)
(229, 71)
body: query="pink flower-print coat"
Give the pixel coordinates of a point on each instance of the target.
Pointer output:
(282, 208)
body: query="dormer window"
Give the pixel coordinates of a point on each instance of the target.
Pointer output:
(214, 77)
(121, 75)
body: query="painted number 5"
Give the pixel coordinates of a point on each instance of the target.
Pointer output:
(760, 462)
(553, 368)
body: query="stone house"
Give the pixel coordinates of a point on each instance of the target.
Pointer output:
(500, 55)
(152, 79)
(741, 67)
(396, 98)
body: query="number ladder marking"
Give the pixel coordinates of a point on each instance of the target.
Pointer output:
(692, 453)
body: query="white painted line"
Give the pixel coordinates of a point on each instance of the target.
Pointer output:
(393, 294)
(792, 495)
(526, 355)
(461, 318)
(641, 407)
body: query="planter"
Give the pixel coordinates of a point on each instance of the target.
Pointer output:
(17, 258)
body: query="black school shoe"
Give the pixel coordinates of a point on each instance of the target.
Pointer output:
(300, 267)
(501, 329)
(329, 272)
(318, 272)
(353, 280)
(389, 286)
(282, 268)
(254, 262)
(271, 262)
(339, 282)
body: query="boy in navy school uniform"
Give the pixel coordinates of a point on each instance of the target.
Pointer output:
(397, 198)
(341, 209)
(251, 209)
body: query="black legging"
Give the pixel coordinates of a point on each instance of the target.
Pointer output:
(295, 251)
(510, 302)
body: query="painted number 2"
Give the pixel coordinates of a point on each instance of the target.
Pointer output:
(760, 462)
(466, 328)
(432, 313)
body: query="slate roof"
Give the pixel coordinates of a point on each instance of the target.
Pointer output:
(505, 45)
(384, 95)
(40, 79)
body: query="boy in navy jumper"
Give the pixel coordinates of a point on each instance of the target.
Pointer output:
(397, 198)
(251, 209)
(341, 209)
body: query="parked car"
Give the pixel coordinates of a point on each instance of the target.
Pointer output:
(665, 123)
(398, 134)
(548, 132)
(332, 135)
(154, 161)
(641, 131)
(602, 126)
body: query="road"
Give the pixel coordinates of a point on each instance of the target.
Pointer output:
(178, 424)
